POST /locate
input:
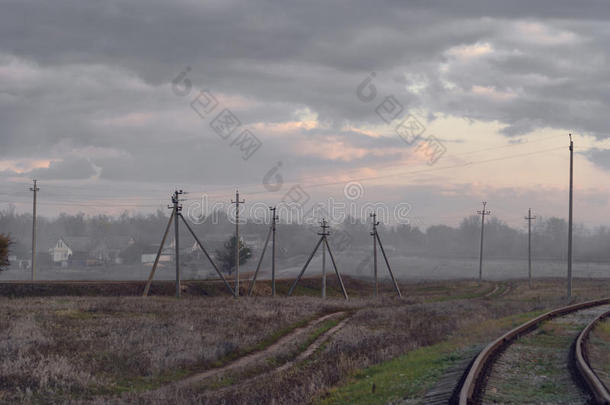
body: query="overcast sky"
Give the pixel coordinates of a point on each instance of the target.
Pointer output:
(102, 102)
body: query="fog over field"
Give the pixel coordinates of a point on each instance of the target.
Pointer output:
(437, 252)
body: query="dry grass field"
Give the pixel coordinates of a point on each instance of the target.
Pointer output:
(218, 349)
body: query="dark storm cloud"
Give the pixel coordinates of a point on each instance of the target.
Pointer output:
(92, 77)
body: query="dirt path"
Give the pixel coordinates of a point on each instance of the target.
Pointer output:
(311, 349)
(268, 352)
(492, 292)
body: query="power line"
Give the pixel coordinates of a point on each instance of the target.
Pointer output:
(93, 204)
(411, 172)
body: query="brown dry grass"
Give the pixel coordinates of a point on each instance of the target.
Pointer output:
(114, 349)
(66, 347)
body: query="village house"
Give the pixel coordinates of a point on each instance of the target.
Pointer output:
(84, 251)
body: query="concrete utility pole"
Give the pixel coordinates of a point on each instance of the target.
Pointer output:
(273, 225)
(374, 235)
(237, 202)
(377, 240)
(177, 209)
(35, 189)
(159, 251)
(323, 240)
(176, 213)
(483, 212)
(570, 218)
(324, 233)
(260, 260)
(529, 244)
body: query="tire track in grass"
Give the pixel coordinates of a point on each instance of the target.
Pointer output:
(312, 345)
(268, 352)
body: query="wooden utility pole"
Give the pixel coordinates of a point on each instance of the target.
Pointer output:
(323, 240)
(529, 244)
(376, 240)
(237, 202)
(35, 189)
(324, 233)
(374, 235)
(483, 212)
(177, 209)
(569, 286)
(273, 226)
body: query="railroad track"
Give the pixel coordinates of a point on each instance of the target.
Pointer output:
(538, 362)
(595, 384)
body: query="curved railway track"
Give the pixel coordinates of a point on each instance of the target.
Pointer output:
(592, 380)
(520, 362)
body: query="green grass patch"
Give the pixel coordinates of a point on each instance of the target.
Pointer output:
(319, 331)
(414, 373)
(409, 375)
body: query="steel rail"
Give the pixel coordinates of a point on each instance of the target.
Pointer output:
(595, 384)
(471, 386)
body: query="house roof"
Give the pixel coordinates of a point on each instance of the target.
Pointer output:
(78, 243)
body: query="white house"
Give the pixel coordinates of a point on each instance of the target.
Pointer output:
(61, 252)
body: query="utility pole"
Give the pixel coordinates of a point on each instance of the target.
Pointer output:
(177, 209)
(323, 240)
(324, 233)
(273, 224)
(35, 189)
(570, 218)
(529, 244)
(260, 260)
(174, 215)
(483, 212)
(377, 240)
(237, 202)
(374, 235)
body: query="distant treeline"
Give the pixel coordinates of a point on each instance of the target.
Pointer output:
(549, 235)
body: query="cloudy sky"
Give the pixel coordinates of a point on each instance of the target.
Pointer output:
(113, 104)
